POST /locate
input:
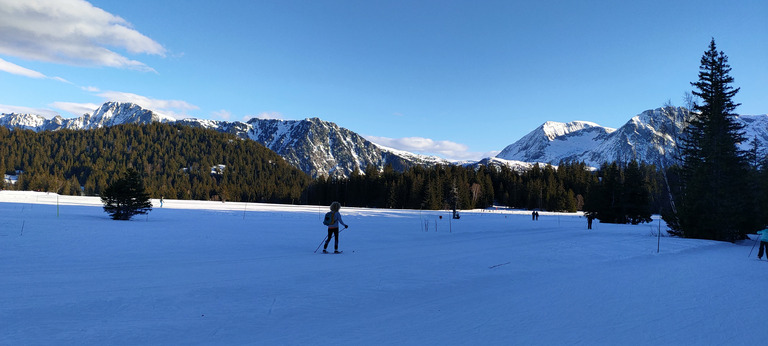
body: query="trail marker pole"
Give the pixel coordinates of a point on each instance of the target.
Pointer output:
(658, 242)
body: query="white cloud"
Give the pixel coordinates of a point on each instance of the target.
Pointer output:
(70, 32)
(18, 70)
(269, 115)
(222, 114)
(46, 113)
(77, 109)
(426, 146)
(12, 68)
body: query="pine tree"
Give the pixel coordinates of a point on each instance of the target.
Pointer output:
(712, 193)
(126, 197)
(637, 194)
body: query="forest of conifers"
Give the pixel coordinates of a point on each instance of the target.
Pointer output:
(181, 162)
(175, 161)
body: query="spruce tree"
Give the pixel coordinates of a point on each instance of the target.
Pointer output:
(126, 197)
(712, 194)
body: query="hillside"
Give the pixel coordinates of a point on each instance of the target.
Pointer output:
(317, 147)
(176, 161)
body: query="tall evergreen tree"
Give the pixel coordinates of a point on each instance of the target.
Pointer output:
(711, 197)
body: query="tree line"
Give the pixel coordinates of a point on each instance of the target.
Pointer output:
(614, 193)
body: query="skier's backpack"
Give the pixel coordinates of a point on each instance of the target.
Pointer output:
(329, 218)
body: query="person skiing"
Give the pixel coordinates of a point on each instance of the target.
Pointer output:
(763, 244)
(333, 228)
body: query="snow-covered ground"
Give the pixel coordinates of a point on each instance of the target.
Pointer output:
(233, 273)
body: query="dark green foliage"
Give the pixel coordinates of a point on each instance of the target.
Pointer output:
(126, 197)
(441, 187)
(175, 161)
(624, 194)
(714, 188)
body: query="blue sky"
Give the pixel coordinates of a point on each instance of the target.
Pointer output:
(459, 79)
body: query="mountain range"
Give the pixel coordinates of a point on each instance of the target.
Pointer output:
(651, 136)
(320, 148)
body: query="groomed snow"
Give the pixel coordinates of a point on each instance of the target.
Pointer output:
(233, 273)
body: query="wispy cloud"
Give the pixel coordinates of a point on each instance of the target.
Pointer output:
(70, 32)
(426, 146)
(12, 68)
(18, 70)
(222, 114)
(268, 115)
(44, 112)
(75, 108)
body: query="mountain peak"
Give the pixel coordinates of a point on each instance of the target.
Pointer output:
(553, 129)
(116, 113)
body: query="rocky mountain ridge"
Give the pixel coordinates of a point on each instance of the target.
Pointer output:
(322, 148)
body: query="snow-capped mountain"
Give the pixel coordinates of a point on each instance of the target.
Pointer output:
(116, 113)
(553, 141)
(651, 137)
(323, 148)
(316, 147)
(109, 114)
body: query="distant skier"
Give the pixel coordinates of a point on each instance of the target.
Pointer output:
(763, 244)
(333, 227)
(590, 218)
(161, 201)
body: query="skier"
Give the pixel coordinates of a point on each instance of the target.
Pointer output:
(590, 217)
(763, 244)
(333, 228)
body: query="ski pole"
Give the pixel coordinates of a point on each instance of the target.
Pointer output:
(326, 237)
(753, 246)
(321, 244)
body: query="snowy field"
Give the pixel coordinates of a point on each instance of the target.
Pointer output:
(245, 274)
